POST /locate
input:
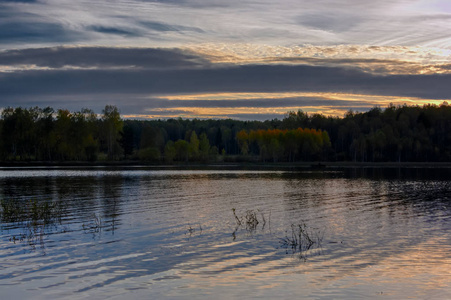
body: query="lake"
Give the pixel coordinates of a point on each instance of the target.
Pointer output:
(137, 232)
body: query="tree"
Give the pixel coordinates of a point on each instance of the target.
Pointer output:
(170, 152)
(127, 140)
(397, 133)
(204, 147)
(193, 146)
(61, 137)
(112, 124)
(45, 126)
(151, 136)
(182, 150)
(149, 154)
(243, 141)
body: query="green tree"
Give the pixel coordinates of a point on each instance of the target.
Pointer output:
(90, 134)
(151, 136)
(19, 132)
(151, 154)
(113, 125)
(127, 140)
(182, 150)
(193, 146)
(61, 137)
(170, 152)
(204, 147)
(45, 126)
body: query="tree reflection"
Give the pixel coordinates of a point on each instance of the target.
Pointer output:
(34, 208)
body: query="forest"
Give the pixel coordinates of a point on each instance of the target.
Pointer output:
(393, 134)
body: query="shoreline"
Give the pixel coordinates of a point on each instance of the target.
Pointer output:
(323, 165)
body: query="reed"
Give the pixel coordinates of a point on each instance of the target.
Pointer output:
(249, 219)
(33, 211)
(34, 217)
(302, 239)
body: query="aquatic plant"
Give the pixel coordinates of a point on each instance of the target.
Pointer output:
(302, 239)
(190, 231)
(249, 219)
(11, 211)
(33, 211)
(238, 220)
(34, 217)
(94, 225)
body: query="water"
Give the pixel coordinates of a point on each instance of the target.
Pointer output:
(145, 233)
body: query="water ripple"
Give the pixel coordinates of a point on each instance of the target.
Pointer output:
(170, 234)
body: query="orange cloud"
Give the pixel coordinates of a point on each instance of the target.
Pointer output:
(345, 102)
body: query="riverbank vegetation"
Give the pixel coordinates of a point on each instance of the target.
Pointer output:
(394, 134)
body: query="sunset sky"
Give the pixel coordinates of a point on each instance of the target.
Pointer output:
(219, 59)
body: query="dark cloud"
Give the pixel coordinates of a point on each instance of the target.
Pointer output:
(137, 80)
(167, 114)
(329, 21)
(194, 3)
(35, 31)
(113, 30)
(158, 26)
(102, 57)
(251, 103)
(256, 78)
(20, 1)
(431, 17)
(166, 58)
(18, 26)
(189, 114)
(258, 117)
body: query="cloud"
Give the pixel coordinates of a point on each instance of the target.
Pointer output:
(258, 117)
(248, 78)
(154, 81)
(286, 22)
(112, 30)
(175, 113)
(19, 1)
(29, 32)
(102, 57)
(330, 21)
(160, 26)
(373, 59)
(284, 102)
(20, 27)
(133, 53)
(370, 59)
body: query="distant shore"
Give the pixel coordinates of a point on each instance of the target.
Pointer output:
(228, 165)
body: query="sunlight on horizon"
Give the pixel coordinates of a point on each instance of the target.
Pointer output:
(345, 103)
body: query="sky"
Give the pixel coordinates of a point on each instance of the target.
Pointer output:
(247, 60)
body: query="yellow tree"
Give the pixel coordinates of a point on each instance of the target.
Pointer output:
(243, 141)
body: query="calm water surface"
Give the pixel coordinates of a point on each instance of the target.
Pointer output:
(120, 233)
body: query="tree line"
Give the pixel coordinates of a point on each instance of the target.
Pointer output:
(396, 133)
(43, 134)
(285, 145)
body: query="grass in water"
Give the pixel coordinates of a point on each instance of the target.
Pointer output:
(250, 219)
(302, 239)
(33, 216)
(33, 211)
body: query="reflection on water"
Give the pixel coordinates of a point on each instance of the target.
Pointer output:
(74, 233)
